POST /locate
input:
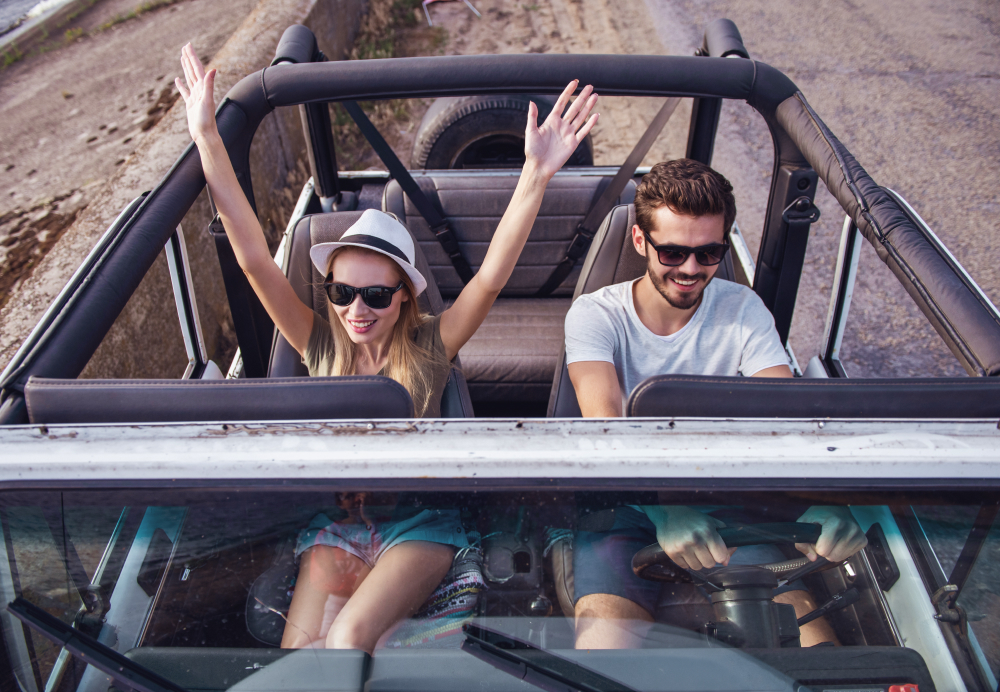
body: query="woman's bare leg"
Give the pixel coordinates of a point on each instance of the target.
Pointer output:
(397, 586)
(327, 579)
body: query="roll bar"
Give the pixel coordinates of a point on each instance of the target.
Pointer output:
(803, 145)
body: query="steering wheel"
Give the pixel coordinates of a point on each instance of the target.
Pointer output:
(653, 564)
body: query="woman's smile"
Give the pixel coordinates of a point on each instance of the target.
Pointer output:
(361, 326)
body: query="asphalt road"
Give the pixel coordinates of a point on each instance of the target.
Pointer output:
(912, 88)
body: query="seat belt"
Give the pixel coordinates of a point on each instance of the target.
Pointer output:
(439, 225)
(606, 202)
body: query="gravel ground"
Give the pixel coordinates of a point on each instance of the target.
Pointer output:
(78, 108)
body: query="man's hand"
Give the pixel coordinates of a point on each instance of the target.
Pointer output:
(548, 147)
(199, 94)
(690, 538)
(840, 538)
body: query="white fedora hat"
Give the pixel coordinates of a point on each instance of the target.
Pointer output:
(379, 232)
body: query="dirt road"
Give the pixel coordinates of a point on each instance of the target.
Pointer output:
(912, 89)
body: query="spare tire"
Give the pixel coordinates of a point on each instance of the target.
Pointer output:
(482, 132)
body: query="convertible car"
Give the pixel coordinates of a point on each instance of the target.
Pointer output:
(149, 526)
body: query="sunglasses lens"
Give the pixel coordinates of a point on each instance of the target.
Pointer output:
(672, 258)
(378, 298)
(340, 294)
(711, 257)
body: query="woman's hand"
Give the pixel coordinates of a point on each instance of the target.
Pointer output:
(199, 96)
(548, 147)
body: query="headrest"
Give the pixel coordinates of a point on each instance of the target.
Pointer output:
(53, 401)
(673, 396)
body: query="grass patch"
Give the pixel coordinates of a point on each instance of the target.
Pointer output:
(73, 34)
(136, 13)
(12, 55)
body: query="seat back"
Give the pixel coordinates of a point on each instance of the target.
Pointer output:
(53, 401)
(668, 396)
(474, 203)
(307, 282)
(612, 259)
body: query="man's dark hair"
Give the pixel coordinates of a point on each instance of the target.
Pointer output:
(687, 187)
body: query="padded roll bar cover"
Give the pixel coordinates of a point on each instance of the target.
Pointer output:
(297, 45)
(672, 396)
(149, 401)
(969, 328)
(723, 39)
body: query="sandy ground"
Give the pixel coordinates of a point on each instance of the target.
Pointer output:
(76, 111)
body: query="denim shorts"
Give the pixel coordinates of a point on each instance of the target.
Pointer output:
(370, 541)
(602, 563)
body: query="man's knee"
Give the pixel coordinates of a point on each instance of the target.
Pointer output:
(609, 607)
(604, 621)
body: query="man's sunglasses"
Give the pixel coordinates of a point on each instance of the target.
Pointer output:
(375, 297)
(676, 255)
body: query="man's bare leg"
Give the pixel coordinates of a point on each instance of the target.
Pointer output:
(815, 632)
(604, 621)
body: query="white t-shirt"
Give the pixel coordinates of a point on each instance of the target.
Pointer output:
(731, 333)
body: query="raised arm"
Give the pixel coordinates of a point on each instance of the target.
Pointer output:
(546, 149)
(290, 315)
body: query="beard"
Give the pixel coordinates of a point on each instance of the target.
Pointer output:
(682, 301)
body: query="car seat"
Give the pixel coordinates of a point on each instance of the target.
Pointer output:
(308, 285)
(512, 355)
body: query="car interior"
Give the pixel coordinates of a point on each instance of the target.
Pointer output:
(197, 583)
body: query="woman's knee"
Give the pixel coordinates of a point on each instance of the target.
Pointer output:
(353, 630)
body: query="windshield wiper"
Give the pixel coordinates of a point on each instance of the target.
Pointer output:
(533, 665)
(132, 675)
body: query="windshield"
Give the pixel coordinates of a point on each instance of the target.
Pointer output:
(412, 589)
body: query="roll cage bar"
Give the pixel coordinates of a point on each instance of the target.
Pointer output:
(804, 150)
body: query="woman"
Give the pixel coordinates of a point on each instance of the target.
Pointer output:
(362, 574)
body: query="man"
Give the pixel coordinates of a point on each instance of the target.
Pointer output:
(674, 319)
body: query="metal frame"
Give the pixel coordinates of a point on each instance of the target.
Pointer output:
(13, 633)
(131, 608)
(59, 669)
(679, 452)
(746, 266)
(844, 277)
(741, 252)
(187, 305)
(974, 669)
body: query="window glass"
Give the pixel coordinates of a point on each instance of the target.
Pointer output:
(216, 589)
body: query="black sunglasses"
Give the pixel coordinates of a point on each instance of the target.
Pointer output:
(375, 297)
(676, 255)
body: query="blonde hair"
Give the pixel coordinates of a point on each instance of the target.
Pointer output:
(407, 363)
